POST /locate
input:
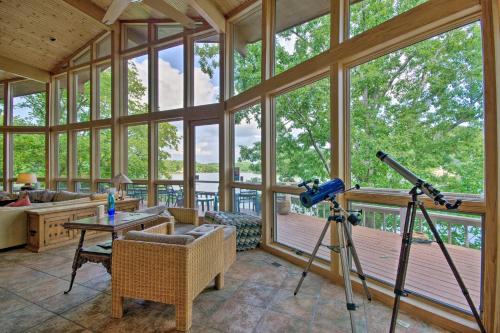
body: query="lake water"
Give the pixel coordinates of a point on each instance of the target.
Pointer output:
(213, 187)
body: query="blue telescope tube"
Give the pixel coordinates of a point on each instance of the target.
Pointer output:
(322, 192)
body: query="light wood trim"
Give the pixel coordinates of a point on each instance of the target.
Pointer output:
(90, 10)
(491, 275)
(24, 70)
(210, 13)
(170, 11)
(431, 17)
(469, 205)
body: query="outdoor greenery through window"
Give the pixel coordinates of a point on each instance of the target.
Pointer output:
(206, 70)
(82, 94)
(29, 103)
(170, 150)
(105, 96)
(171, 78)
(424, 106)
(247, 145)
(302, 120)
(61, 104)
(247, 51)
(28, 152)
(104, 140)
(366, 14)
(62, 154)
(83, 154)
(300, 37)
(137, 85)
(137, 151)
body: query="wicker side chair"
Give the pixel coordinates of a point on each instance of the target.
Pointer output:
(167, 273)
(184, 215)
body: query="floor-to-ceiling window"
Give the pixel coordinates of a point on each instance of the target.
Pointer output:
(423, 105)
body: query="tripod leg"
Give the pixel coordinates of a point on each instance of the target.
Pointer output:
(355, 257)
(453, 267)
(346, 273)
(313, 255)
(403, 261)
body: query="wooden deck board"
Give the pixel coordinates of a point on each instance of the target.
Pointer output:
(428, 273)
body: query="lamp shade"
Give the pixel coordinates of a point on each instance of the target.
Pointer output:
(121, 179)
(26, 178)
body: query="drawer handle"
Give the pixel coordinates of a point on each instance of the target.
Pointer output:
(32, 233)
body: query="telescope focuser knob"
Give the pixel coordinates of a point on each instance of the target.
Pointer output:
(457, 204)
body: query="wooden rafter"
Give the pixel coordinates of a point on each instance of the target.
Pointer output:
(170, 11)
(210, 13)
(24, 70)
(89, 9)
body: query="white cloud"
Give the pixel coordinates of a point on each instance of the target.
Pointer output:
(170, 96)
(204, 90)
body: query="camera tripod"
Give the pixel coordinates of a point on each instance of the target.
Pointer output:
(405, 255)
(346, 244)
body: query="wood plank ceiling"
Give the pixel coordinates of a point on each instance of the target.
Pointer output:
(28, 27)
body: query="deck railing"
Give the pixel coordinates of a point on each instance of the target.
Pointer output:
(457, 229)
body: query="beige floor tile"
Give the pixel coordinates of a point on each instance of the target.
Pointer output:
(63, 302)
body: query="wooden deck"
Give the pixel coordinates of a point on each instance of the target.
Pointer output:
(428, 273)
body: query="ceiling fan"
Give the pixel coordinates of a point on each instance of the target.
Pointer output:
(116, 9)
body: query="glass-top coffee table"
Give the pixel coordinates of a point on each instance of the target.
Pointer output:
(102, 253)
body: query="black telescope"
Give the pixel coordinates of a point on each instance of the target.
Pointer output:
(423, 186)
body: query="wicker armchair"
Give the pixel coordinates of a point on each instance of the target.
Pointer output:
(167, 273)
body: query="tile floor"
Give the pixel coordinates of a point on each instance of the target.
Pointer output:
(258, 297)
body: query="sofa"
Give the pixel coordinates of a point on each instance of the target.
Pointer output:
(13, 223)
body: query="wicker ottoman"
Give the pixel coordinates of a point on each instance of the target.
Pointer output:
(248, 227)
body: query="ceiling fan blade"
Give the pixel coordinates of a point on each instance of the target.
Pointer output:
(114, 11)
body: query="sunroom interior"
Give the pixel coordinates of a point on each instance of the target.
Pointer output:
(222, 111)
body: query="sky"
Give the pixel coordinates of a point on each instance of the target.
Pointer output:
(206, 91)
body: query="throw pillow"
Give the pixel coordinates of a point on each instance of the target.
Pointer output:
(159, 238)
(25, 201)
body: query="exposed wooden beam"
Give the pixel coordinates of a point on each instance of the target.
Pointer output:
(171, 12)
(24, 70)
(91, 10)
(210, 13)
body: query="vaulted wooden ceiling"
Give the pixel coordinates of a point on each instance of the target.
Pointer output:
(41, 34)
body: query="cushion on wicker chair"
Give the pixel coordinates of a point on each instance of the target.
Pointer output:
(158, 238)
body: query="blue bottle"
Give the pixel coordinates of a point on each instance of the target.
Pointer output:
(111, 202)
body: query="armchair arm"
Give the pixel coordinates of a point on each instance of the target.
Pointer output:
(206, 259)
(151, 271)
(185, 215)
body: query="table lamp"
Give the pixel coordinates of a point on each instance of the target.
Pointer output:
(28, 179)
(119, 180)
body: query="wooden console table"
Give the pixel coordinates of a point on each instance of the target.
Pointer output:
(45, 225)
(102, 253)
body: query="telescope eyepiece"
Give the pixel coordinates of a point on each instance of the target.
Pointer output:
(381, 155)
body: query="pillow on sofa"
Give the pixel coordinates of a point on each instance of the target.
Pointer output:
(159, 238)
(41, 195)
(66, 195)
(24, 201)
(202, 230)
(156, 210)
